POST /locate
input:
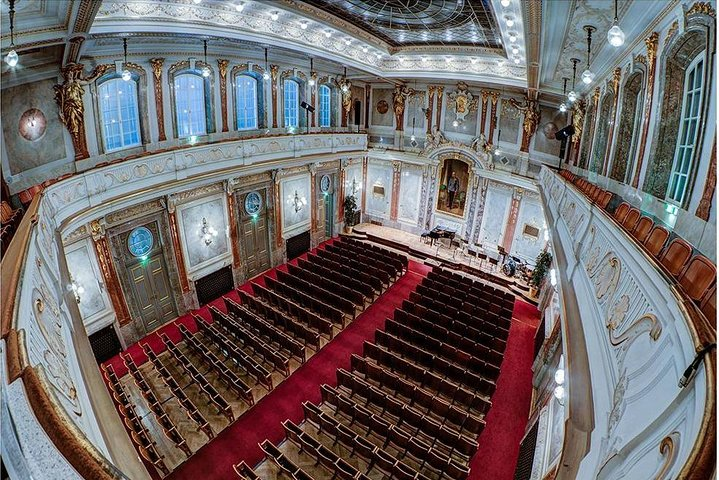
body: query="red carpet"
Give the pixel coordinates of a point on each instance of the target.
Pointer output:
(263, 421)
(498, 450)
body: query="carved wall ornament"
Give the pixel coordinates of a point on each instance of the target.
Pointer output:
(669, 448)
(673, 29)
(607, 276)
(702, 8)
(705, 204)
(156, 64)
(645, 323)
(71, 108)
(399, 99)
(222, 69)
(382, 107)
(462, 102)
(532, 115)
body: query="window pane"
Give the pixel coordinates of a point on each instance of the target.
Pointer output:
(190, 105)
(246, 99)
(291, 103)
(325, 106)
(120, 123)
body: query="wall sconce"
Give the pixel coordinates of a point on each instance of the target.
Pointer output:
(356, 187)
(559, 390)
(208, 232)
(298, 202)
(77, 290)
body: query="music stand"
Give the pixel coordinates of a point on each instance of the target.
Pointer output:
(308, 109)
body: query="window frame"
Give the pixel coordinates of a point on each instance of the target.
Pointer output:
(292, 106)
(190, 74)
(682, 169)
(105, 83)
(255, 82)
(325, 110)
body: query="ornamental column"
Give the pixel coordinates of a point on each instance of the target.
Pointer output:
(438, 117)
(485, 97)
(615, 85)
(177, 246)
(430, 107)
(493, 117)
(276, 177)
(273, 78)
(234, 226)
(222, 68)
(652, 42)
(396, 178)
(109, 274)
(156, 64)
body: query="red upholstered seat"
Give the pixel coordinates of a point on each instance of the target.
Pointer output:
(642, 229)
(630, 221)
(621, 212)
(656, 239)
(698, 277)
(676, 256)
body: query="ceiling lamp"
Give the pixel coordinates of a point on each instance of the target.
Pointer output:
(328, 33)
(572, 95)
(615, 36)
(509, 21)
(515, 50)
(517, 60)
(563, 106)
(588, 75)
(240, 6)
(266, 75)
(345, 88)
(425, 59)
(512, 37)
(312, 73)
(206, 68)
(364, 49)
(348, 41)
(196, 1)
(274, 15)
(303, 25)
(126, 75)
(12, 57)
(448, 59)
(505, 3)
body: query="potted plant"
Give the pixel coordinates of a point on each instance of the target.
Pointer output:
(350, 209)
(544, 260)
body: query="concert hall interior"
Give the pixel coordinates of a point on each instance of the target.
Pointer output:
(358, 239)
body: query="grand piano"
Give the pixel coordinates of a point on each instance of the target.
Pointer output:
(440, 231)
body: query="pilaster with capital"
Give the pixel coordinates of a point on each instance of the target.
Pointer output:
(343, 176)
(652, 43)
(512, 219)
(493, 117)
(485, 98)
(274, 69)
(396, 179)
(156, 64)
(109, 274)
(276, 177)
(222, 68)
(313, 98)
(364, 183)
(430, 106)
(616, 77)
(440, 94)
(234, 225)
(177, 245)
(705, 204)
(312, 167)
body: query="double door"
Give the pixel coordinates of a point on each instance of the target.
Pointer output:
(152, 291)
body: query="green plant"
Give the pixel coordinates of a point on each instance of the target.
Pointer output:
(350, 207)
(544, 260)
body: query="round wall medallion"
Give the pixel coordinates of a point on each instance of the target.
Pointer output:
(382, 106)
(140, 241)
(325, 183)
(253, 203)
(32, 124)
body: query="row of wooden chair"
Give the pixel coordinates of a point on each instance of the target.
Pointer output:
(410, 315)
(286, 465)
(356, 262)
(376, 456)
(329, 284)
(139, 434)
(263, 328)
(9, 222)
(467, 300)
(397, 261)
(403, 259)
(323, 291)
(249, 342)
(232, 351)
(335, 273)
(387, 272)
(300, 297)
(278, 317)
(480, 289)
(483, 331)
(209, 358)
(350, 269)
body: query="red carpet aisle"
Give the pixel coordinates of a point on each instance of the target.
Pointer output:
(496, 458)
(240, 441)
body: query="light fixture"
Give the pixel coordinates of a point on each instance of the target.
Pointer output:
(303, 25)
(553, 281)
(559, 379)
(266, 74)
(496, 151)
(455, 124)
(515, 50)
(572, 95)
(274, 15)
(509, 21)
(517, 60)
(425, 59)
(615, 36)
(196, 1)
(448, 59)
(12, 57)
(126, 75)
(401, 59)
(348, 41)
(364, 48)
(559, 394)
(588, 75)
(563, 106)
(77, 290)
(311, 81)
(505, 3)
(240, 6)
(328, 33)
(474, 60)
(378, 55)
(206, 68)
(298, 202)
(207, 231)
(512, 37)
(559, 376)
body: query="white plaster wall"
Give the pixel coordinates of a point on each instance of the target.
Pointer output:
(94, 305)
(294, 222)
(525, 246)
(379, 174)
(409, 196)
(353, 175)
(494, 220)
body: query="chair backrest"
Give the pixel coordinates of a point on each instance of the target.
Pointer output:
(698, 277)
(605, 199)
(708, 304)
(676, 256)
(630, 221)
(621, 212)
(642, 229)
(656, 240)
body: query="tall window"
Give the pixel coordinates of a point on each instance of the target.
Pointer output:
(190, 105)
(246, 100)
(119, 114)
(292, 103)
(688, 130)
(324, 106)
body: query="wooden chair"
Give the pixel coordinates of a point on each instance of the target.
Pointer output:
(656, 240)
(621, 212)
(642, 229)
(630, 221)
(676, 256)
(708, 304)
(698, 277)
(604, 199)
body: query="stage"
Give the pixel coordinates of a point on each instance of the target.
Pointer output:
(440, 254)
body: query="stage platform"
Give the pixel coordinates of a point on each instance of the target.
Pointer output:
(440, 254)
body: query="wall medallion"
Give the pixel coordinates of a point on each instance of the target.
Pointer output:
(253, 203)
(140, 241)
(32, 124)
(325, 183)
(382, 107)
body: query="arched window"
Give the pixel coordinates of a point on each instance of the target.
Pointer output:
(688, 130)
(119, 114)
(246, 102)
(325, 105)
(292, 103)
(190, 111)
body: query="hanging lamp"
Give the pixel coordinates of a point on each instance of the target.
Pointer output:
(572, 95)
(206, 68)
(126, 75)
(615, 36)
(563, 106)
(266, 75)
(12, 57)
(312, 73)
(344, 87)
(588, 75)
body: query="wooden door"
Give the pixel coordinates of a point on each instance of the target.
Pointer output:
(255, 239)
(151, 289)
(328, 214)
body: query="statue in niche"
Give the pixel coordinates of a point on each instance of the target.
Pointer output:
(71, 109)
(462, 102)
(399, 97)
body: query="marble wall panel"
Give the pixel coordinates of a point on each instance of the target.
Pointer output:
(413, 111)
(468, 126)
(380, 97)
(409, 195)
(295, 197)
(494, 220)
(510, 123)
(353, 182)
(37, 147)
(197, 252)
(524, 245)
(379, 188)
(80, 263)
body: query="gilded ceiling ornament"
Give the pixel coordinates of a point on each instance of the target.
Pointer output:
(462, 101)
(71, 109)
(616, 76)
(222, 67)
(702, 8)
(670, 34)
(156, 64)
(640, 58)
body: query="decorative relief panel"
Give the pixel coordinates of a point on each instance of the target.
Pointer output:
(498, 200)
(295, 197)
(411, 188)
(379, 188)
(203, 225)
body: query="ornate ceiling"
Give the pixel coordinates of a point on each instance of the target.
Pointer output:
(410, 25)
